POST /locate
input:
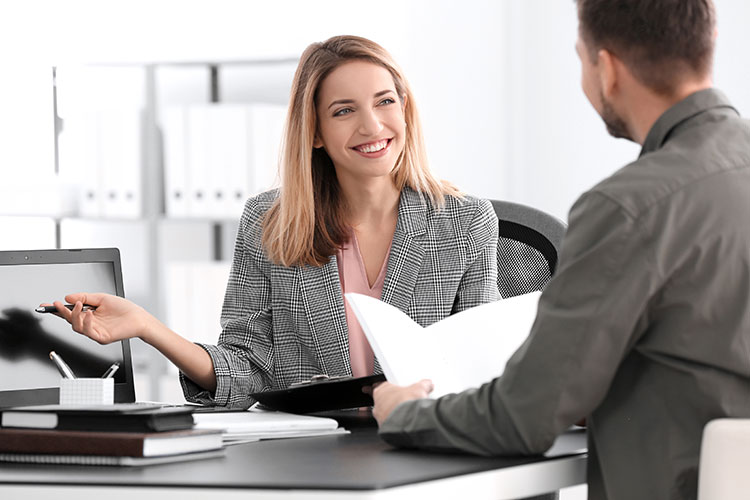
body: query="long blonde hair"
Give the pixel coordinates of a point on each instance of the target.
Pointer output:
(306, 223)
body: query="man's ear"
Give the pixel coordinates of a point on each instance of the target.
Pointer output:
(608, 72)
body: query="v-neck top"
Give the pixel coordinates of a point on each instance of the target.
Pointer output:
(353, 278)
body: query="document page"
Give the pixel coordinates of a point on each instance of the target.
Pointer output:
(462, 351)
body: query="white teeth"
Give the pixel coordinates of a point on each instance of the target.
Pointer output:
(371, 148)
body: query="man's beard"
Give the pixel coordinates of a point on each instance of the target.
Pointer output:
(616, 126)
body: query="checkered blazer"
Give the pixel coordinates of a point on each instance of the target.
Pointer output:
(285, 324)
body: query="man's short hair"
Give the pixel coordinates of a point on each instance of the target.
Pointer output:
(661, 41)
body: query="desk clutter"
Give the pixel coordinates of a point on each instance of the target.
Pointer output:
(141, 434)
(126, 434)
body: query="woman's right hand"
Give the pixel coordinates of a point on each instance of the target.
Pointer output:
(114, 319)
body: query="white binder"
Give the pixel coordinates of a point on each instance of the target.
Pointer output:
(230, 151)
(174, 125)
(199, 159)
(120, 163)
(266, 131)
(87, 140)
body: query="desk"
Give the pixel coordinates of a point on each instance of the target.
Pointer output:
(352, 466)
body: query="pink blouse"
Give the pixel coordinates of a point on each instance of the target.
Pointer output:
(353, 277)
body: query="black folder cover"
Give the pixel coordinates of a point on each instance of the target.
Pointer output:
(324, 395)
(125, 417)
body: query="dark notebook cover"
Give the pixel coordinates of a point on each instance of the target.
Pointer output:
(118, 444)
(324, 395)
(121, 418)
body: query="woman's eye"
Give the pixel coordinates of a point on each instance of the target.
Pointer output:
(387, 100)
(342, 112)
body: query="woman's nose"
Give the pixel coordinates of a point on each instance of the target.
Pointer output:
(369, 123)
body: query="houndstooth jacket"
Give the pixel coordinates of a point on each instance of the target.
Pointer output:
(281, 325)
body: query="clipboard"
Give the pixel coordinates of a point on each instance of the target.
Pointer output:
(321, 393)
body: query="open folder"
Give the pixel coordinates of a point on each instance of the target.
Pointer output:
(459, 352)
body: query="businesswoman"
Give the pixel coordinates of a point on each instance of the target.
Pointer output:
(357, 211)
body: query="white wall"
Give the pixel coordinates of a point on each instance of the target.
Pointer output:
(496, 81)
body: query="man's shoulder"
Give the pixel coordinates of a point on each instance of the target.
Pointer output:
(683, 167)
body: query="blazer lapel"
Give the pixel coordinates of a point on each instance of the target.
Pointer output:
(324, 308)
(407, 252)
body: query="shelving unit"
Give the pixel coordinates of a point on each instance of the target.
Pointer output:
(160, 232)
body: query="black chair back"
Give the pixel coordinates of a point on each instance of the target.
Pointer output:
(528, 245)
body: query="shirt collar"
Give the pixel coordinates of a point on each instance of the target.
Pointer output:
(689, 107)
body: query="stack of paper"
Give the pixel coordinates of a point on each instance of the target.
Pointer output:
(255, 424)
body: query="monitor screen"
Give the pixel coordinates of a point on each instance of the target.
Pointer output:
(27, 337)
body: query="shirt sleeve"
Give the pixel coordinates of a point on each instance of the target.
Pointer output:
(586, 322)
(478, 284)
(243, 357)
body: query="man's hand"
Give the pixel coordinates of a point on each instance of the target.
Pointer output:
(388, 396)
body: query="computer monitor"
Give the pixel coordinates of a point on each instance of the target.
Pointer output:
(28, 278)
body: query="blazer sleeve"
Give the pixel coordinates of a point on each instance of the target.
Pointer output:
(479, 282)
(243, 359)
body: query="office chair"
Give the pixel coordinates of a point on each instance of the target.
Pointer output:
(527, 249)
(725, 455)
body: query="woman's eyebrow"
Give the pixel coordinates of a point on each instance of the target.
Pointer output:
(341, 101)
(351, 101)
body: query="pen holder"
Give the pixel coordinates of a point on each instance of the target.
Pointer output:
(87, 391)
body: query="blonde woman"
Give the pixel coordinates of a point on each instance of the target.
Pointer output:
(357, 211)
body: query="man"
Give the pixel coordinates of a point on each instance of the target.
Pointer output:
(645, 329)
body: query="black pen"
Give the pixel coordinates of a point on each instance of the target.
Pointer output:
(53, 309)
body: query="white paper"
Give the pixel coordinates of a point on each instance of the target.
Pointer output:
(257, 424)
(462, 351)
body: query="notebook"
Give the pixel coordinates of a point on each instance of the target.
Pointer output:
(54, 459)
(108, 444)
(28, 278)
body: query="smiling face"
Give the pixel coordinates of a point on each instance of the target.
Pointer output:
(360, 120)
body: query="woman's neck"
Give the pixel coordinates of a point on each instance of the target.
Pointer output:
(371, 203)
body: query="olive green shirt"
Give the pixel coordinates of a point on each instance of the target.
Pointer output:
(645, 328)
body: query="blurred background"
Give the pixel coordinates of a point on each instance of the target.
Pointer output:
(145, 124)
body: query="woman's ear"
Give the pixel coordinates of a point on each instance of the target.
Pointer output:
(317, 142)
